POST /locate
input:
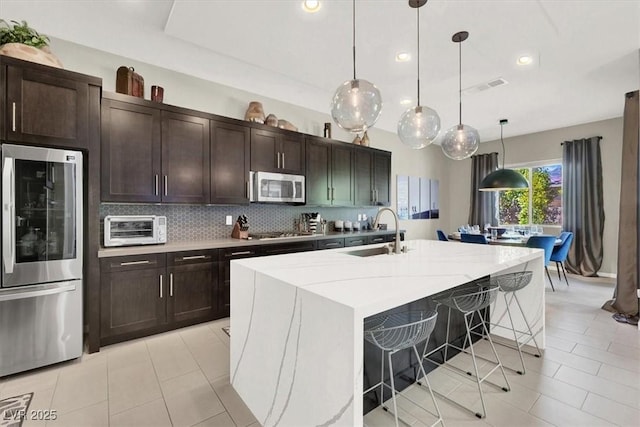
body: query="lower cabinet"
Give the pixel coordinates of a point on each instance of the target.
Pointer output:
(225, 257)
(146, 294)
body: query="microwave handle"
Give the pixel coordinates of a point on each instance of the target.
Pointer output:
(9, 217)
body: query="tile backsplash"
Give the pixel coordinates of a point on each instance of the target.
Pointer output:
(198, 222)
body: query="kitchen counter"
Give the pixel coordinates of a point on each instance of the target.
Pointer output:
(226, 243)
(297, 319)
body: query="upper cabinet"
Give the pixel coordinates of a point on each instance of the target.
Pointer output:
(277, 151)
(185, 158)
(149, 155)
(44, 105)
(329, 173)
(381, 178)
(230, 145)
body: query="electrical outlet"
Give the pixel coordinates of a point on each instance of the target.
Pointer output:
(359, 217)
(228, 220)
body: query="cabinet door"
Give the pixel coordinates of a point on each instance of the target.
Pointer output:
(132, 300)
(46, 108)
(224, 288)
(130, 150)
(363, 175)
(318, 174)
(292, 154)
(192, 292)
(185, 158)
(382, 178)
(265, 155)
(342, 188)
(230, 146)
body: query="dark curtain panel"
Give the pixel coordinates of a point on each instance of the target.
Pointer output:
(582, 204)
(625, 299)
(483, 203)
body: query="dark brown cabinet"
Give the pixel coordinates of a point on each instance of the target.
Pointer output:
(193, 290)
(150, 155)
(147, 294)
(185, 158)
(230, 145)
(225, 258)
(275, 151)
(372, 174)
(382, 178)
(131, 152)
(132, 295)
(330, 172)
(46, 106)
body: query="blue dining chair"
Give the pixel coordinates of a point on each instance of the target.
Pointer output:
(442, 236)
(546, 243)
(473, 238)
(559, 254)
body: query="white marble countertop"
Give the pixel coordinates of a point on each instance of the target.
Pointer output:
(225, 243)
(296, 353)
(373, 284)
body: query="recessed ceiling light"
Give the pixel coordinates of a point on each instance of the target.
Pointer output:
(311, 6)
(525, 60)
(403, 56)
(406, 101)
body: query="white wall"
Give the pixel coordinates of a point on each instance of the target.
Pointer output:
(190, 92)
(543, 146)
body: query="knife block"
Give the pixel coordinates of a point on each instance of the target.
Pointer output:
(239, 232)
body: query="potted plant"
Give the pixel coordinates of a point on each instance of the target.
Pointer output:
(18, 40)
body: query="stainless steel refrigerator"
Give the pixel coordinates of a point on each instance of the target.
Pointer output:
(41, 288)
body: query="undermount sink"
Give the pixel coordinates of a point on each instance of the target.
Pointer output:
(384, 250)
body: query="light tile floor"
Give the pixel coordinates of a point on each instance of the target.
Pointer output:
(589, 375)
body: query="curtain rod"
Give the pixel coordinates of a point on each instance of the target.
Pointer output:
(597, 136)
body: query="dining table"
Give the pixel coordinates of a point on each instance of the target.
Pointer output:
(504, 240)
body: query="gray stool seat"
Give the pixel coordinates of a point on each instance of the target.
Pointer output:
(469, 301)
(398, 331)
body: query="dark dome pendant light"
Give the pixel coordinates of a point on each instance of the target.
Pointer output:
(503, 179)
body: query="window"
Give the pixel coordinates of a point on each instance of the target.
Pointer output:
(541, 205)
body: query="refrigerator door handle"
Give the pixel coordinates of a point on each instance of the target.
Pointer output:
(9, 215)
(40, 291)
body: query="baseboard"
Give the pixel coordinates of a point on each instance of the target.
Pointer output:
(552, 266)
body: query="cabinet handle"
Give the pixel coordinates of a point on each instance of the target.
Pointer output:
(157, 184)
(353, 242)
(135, 262)
(13, 116)
(332, 244)
(170, 284)
(373, 195)
(166, 185)
(241, 253)
(377, 240)
(332, 189)
(376, 195)
(283, 167)
(328, 193)
(161, 286)
(278, 156)
(184, 258)
(247, 190)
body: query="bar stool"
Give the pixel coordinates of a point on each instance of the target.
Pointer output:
(392, 333)
(468, 301)
(509, 284)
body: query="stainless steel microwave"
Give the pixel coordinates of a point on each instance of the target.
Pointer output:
(134, 230)
(276, 187)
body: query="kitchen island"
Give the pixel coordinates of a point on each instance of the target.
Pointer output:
(297, 319)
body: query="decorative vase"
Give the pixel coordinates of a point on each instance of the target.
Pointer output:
(365, 139)
(29, 53)
(284, 124)
(357, 140)
(271, 120)
(255, 112)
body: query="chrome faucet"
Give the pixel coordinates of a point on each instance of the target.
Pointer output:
(396, 248)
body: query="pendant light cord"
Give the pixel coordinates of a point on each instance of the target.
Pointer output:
(354, 39)
(460, 81)
(418, 61)
(502, 141)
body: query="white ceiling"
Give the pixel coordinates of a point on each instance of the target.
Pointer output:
(586, 53)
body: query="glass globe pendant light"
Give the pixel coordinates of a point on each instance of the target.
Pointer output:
(419, 125)
(460, 141)
(503, 179)
(357, 103)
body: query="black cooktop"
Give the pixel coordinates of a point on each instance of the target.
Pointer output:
(278, 235)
